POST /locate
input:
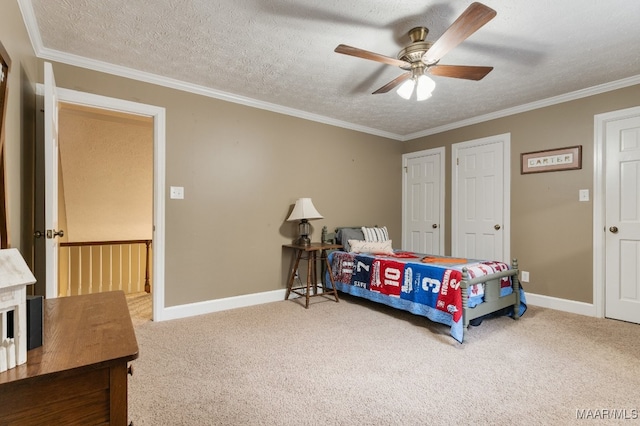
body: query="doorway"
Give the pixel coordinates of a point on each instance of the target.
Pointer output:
(105, 203)
(157, 115)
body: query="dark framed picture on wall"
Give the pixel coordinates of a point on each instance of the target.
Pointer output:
(551, 160)
(5, 64)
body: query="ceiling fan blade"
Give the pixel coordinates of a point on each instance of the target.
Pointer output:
(460, 71)
(365, 54)
(469, 22)
(393, 83)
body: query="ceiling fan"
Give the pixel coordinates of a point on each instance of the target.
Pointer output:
(422, 57)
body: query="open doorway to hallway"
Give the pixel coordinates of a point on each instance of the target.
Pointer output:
(105, 204)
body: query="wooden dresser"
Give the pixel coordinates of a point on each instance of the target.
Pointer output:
(79, 374)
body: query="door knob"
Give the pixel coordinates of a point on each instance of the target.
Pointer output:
(496, 227)
(434, 226)
(38, 234)
(52, 233)
(614, 229)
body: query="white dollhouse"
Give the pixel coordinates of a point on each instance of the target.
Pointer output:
(15, 276)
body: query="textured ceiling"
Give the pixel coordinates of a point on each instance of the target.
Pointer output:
(278, 54)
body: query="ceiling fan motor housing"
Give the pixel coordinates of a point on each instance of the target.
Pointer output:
(413, 52)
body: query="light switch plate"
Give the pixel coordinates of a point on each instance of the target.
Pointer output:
(525, 277)
(584, 195)
(176, 193)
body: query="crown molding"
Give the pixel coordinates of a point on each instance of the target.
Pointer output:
(146, 77)
(30, 22)
(54, 55)
(44, 53)
(571, 96)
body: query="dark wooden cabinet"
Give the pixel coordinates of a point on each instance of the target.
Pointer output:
(79, 374)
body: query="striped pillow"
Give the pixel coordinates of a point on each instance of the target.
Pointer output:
(375, 234)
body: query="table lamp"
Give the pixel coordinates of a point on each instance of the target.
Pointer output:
(303, 211)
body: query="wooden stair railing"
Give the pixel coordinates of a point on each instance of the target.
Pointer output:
(77, 267)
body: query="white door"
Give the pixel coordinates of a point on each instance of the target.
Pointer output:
(480, 199)
(622, 219)
(51, 180)
(423, 206)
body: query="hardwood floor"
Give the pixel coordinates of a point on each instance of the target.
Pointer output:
(140, 307)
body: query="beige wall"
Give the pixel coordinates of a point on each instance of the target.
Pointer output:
(242, 169)
(106, 175)
(552, 232)
(20, 125)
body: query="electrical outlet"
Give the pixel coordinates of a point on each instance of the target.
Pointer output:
(524, 277)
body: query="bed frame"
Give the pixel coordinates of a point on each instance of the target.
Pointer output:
(492, 300)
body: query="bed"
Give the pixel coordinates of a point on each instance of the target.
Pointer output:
(447, 290)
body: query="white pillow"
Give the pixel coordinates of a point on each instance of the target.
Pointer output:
(375, 234)
(373, 247)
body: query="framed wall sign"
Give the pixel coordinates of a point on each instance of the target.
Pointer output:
(551, 160)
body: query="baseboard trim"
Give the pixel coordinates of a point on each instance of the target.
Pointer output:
(217, 305)
(565, 305)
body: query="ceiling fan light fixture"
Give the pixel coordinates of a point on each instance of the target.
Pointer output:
(406, 89)
(424, 87)
(421, 55)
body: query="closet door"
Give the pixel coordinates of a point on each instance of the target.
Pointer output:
(423, 202)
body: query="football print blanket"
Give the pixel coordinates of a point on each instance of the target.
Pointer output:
(424, 285)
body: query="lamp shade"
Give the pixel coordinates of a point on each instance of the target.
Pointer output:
(406, 89)
(424, 88)
(422, 84)
(304, 209)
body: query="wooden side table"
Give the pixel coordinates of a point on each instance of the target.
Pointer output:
(311, 252)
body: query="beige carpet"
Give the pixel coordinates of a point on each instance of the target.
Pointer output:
(359, 363)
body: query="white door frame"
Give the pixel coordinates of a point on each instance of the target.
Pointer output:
(159, 155)
(505, 138)
(443, 219)
(599, 203)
